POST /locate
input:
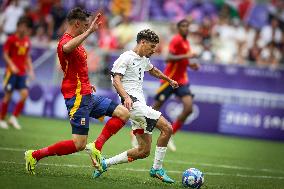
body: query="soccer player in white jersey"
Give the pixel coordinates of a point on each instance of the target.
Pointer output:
(127, 76)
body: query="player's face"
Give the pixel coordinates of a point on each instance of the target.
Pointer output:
(23, 29)
(148, 48)
(183, 29)
(82, 26)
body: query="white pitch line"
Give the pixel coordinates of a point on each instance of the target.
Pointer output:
(176, 162)
(145, 170)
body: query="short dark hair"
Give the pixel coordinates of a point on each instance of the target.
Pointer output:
(147, 35)
(25, 20)
(181, 22)
(78, 13)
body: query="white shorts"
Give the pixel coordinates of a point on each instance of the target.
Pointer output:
(143, 117)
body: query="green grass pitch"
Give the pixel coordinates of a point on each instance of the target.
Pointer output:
(227, 162)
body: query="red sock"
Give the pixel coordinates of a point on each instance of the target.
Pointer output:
(4, 109)
(61, 148)
(176, 126)
(18, 109)
(112, 126)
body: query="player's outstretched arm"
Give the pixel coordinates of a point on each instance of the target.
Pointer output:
(158, 74)
(76, 41)
(120, 90)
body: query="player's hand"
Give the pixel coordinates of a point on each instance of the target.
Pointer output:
(174, 84)
(93, 88)
(128, 102)
(96, 23)
(14, 69)
(32, 75)
(194, 66)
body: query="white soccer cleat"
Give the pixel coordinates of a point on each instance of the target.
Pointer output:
(134, 141)
(171, 145)
(3, 124)
(14, 122)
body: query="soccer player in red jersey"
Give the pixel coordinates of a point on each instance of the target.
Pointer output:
(79, 100)
(16, 55)
(176, 69)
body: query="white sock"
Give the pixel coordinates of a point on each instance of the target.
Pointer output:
(118, 159)
(159, 157)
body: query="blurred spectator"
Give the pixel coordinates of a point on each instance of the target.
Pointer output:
(124, 32)
(106, 39)
(270, 56)
(121, 7)
(10, 17)
(207, 55)
(58, 15)
(40, 39)
(270, 33)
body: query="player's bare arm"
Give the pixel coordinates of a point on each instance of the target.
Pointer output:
(158, 74)
(10, 63)
(121, 91)
(30, 67)
(172, 57)
(194, 66)
(76, 41)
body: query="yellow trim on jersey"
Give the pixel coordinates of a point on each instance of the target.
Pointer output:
(7, 77)
(77, 100)
(166, 84)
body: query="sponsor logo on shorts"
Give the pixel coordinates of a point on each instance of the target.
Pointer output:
(83, 121)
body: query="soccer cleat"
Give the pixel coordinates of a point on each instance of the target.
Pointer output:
(171, 145)
(98, 173)
(161, 174)
(3, 124)
(95, 155)
(30, 162)
(14, 122)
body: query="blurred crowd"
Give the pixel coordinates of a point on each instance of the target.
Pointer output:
(223, 35)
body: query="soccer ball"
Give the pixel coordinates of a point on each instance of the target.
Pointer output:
(192, 178)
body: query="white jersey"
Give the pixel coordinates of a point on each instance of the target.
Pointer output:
(132, 67)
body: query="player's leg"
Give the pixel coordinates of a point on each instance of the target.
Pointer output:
(19, 108)
(78, 109)
(141, 152)
(187, 100)
(4, 109)
(163, 93)
(60, 148)
(157, 169)
(119, 115)
(187, 110)
(9, 84)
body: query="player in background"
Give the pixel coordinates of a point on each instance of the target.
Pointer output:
(19, 65)
(177, 63)
(128, 73)
(79, 100)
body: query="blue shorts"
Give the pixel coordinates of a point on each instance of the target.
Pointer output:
(82, 107)
(165, 92)
(13, 81)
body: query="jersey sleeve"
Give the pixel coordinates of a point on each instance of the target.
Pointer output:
(149, 66)
(120, 65)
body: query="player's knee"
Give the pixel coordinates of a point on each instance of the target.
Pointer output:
(80, 145)
(123, 113)
(24, 94)
(188, 110)
(167, 130)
